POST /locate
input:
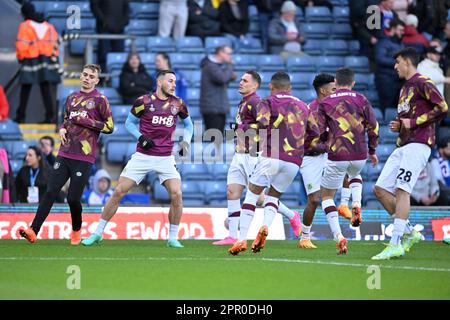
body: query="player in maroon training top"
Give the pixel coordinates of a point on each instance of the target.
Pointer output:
(346, 115)
(87, 115)
(153, 120)
(420, 108)
(286, 121)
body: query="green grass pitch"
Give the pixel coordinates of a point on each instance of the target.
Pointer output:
(127, 269)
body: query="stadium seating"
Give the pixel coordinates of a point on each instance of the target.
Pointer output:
(387, 136)
(120, 151)
(341, 31)
(120, 113)
(243, 62)
(302, 80)
(164, 44)
(363, 81)
(189, 45)
(341, 14)
(301, 64)
(140, 44)
(193, 194)
(211, 43)
(390, 114)
(186, 61)
(316, 30)
(330, 64)
(358, 63)
(318, 14)
(15, 166)
(251, 46)
(194, 171)
(384, 151)
(270, 62)
(215, 192)
(139, 27)
(193, 97)
(144, 10)
(336, 48)
(112, 95)
(9, 130)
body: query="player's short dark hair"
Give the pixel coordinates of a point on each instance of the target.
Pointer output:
(280, 80)
(52, 141)
(93, 67)
(255, 76)
(321, 80)
(409, 53)
(395, 22)
(345, 77)
(164, 72)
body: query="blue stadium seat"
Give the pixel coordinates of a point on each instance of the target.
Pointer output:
(194, 171)
(111, 94)
(390, 114)
(363, 81)
(365, 172)
(186, 61)
(341, 31)
(234, 97)
(215, 192)
(135, 198)
(194, 112)
(330, 64)
(190, 44)
(314, 47)
(341, 14)
(291, 197)
(270, 62)
(300, 15)
(387, 136)
(384, 151)
(254, 29)
(120, 134)
(212, 42)
(316, 30)
(263, 93)
(374, 172)
(140, 44)
(19, 149)
(305, 95)
(354, 47)
(253, 13)
(9, 130)
(220, 171)
(193, 78)
(192, 193)
(40, 5)
(372, 96)
(160, 193)
(251, 46)
(301, 80)
(379, 115)
(193, 96)
(115, 60)
(148, 59)
(368, 193)
(243, 62)
(120, 113)
(318, 14)
(56, 9)
(120, 151)
(359, 64)
(336, 48)
(16, 165)
(156, 44)
(77, 46)
(141, 27)
(265, 78)
(301, 64)
(144, 10)
(60, 24)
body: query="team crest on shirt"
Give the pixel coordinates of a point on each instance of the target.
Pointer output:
(90, 104)
(152, 108)
(56, 165)
(173, 109)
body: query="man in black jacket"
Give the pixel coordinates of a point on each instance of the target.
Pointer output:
(112, 18)
(203, 19)
(134, 79)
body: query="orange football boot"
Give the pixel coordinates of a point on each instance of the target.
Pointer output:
(356, 216)
(75, 237)
(306, 244)
(344, 211)
(260, 240)
(342, 246)
(28, 234)
(238, 246)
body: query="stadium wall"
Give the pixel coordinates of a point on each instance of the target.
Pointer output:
(151, 223)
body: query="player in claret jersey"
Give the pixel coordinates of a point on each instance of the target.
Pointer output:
(347, 115)
(152, 120)
(244, 162)
(87, 114)
(420, 108)
(287, 122)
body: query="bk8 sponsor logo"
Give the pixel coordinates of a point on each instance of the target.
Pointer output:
(167, 121)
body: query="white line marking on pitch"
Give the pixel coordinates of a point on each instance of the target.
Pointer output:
(330, 263)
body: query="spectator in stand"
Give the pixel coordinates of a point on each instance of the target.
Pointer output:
(387, 14)
(314, 3)
(134, 79)
(441, 168)
(112, 16)
(446, 60)
(203, 19)
(234, 21)
(412, 37)
(401, 7)
(4, 105)
(387, 82)
(217, 73)
(31, 180)
(100, 190)
(266, 11)
(173, 17)
(285, 31)
(37, 52)
(162, 62)
(358, 21)
(47, 145)
(430, 67)
(426, 189)
(432, 15)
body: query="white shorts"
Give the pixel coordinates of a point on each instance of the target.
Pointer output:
(403, 167)
(141, 164)
(273, 172)
(335, 171)
(241, 168)
(312, 170)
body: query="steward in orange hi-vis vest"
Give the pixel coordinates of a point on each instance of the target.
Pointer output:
(37, 51)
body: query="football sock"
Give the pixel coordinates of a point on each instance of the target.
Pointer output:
(285, 211)
(247, 213)
(408, 227)
(345, 195)
(356, 189)
(333, 218)
(270, 210)
(173, 232)
(399, 228)
(100, 227)
(306, 232)
(234, 213)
